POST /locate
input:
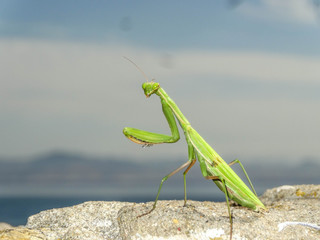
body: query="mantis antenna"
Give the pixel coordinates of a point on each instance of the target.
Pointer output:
(145, 76)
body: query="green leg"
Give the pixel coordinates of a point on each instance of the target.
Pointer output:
(229, 211)
(224, 187)
(187, 164)
(184, 181)
(238, 161)
(192, 160)
(150, 138)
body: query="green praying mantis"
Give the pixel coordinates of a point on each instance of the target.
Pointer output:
(212, 166)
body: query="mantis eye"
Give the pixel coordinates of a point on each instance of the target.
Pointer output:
(155, 86)
(144, 85)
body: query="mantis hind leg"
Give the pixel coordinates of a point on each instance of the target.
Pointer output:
(228, 204)
(225, 190)
(244, 171)
(187, 164)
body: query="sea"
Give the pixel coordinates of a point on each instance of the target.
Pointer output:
(16, 210)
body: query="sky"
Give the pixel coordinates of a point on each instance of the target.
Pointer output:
(245, 73)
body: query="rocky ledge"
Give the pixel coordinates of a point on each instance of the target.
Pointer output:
(293, 213)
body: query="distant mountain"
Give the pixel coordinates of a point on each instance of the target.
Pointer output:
(77, 169)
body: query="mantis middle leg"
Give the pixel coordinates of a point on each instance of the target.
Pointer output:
(187, 164)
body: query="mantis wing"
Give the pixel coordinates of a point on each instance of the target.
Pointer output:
(213, 165)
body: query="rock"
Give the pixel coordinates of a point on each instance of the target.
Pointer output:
(291, 192)
(286, 205)
(208, 220)
(21, 233)
(4, 226)
(89, 220)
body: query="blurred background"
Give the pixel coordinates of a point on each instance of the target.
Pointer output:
(245, 73)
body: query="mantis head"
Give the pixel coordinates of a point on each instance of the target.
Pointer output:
(150, 88)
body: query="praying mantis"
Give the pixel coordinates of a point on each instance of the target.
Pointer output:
(212, 166)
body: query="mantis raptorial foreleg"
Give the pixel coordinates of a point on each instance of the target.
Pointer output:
(150, 138)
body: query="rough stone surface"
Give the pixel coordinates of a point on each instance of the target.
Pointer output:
(208, 220)
(89, 220)
(170, 220)
(21, 233)
(4, 226)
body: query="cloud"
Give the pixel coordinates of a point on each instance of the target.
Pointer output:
(250, 65)
(59, 95)
(294, 11)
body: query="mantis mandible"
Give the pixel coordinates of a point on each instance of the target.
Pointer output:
(212, 166)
